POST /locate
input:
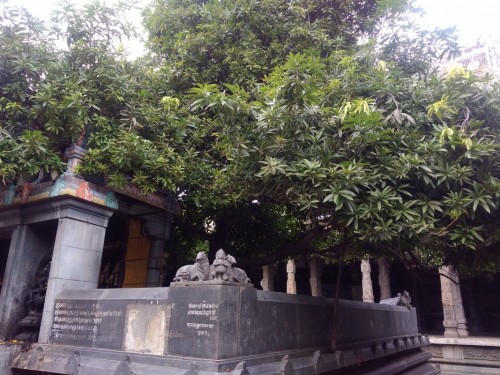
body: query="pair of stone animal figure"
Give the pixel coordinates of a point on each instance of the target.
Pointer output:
(222, 269)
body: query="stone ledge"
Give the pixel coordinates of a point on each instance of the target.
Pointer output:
(48, 358)
(466, 362)
(465, 341)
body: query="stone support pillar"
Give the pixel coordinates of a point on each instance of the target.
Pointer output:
(367, 281)
(291, 285)
(315, 277)
(455, 324)
(267, 282)
(158, 229)
(27, 249)
(153, 277)
(76, 258)
(384, 280)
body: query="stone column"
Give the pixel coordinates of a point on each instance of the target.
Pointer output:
(455, 324)
(315, 277)
(367, 281)
(76, 258)
(383, 278)
(291, 285)
(267, 282)
(27, 249)
(158, 229)
(153, 277)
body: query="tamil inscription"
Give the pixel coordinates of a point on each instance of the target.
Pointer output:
(88, 323)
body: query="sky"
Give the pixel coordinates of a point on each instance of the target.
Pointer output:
(473, 19)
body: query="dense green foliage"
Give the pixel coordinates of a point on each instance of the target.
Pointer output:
(285, 127)
(51, 97)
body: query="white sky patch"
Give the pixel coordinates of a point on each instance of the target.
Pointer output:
(473, 18)
(42, 9)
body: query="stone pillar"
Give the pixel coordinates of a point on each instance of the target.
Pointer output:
(291, 285)
(158, 229)
(27, 249)
(153, 277)
(267, 282)
(367, 281)
(315, 277)
(76, 258)
(455, 324)
(384, 281)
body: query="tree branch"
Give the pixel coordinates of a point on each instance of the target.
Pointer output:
(301, 246)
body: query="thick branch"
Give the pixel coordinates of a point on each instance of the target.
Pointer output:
(300, 246)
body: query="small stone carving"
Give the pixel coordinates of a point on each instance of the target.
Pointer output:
(200, 271)
(221, 271)
(403, 299)
(57, 187)
(35, 300)
(236, 274)
(220, 266)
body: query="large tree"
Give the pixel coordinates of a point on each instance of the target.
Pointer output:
(332, 132)
(284, 127)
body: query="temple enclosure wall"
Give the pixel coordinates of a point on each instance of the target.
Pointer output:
(195, 328)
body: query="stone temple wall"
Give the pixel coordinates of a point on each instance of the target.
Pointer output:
(220, 328)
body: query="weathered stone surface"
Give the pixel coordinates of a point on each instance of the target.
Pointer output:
(135, 320)
(455, 323)
(27, 249)
(291, 284)
(267, 282)
(206, 329)
(466, 355)
(203, 321)
(76, 261)
(384, 281)
(367, 281)
(315, 277)
(219, 321)
(90, 323)
(286, 321)
(373, 321)
(7, 355)
(109, 362)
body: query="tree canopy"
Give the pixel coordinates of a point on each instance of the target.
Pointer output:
(285, 127)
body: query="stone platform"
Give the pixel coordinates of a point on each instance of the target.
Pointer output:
(7, 354)
(201, 329)
(465, 355)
